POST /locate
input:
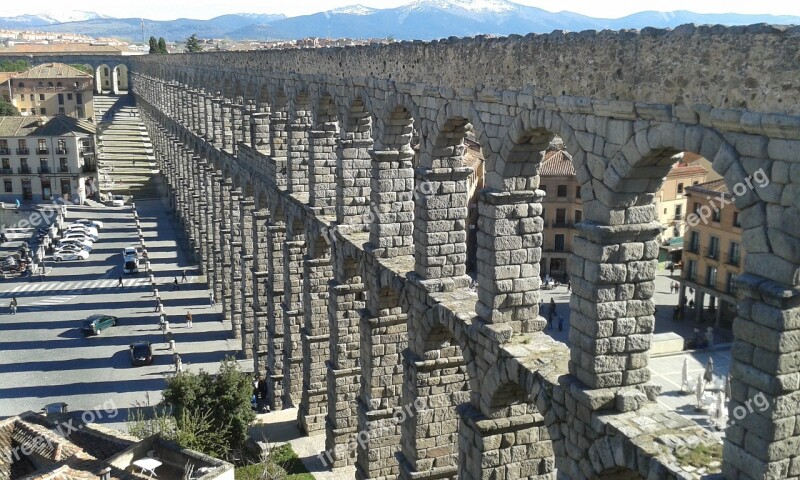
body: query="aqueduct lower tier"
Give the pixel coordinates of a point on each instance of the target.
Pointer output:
(340, 254)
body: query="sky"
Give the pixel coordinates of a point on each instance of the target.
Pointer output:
(205, 9)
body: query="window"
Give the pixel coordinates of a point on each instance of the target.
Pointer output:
(9, 187)
(44, 167)
(105, 71)
(62, 146)
(22, 144)
(578, 191)
(32, 97)
(680, 188)
(4, 145)
(50, 84)
(41, 97)
(81, 112)
(678, 211)
(69, 96)
(43, 111)
(79, 98)
(61, 111)
(23, 166)
(561, 217)
(736, 222)
(21, 97)
(733, 253)
(713, 247)
(21, 85)
(42, 145)
(63, 167)
(730, 283)
(558, 246)
(561, 191)
(578, 216)
(66, 186)
(47, 191)
(59, 85)
(695, 182)
(694, 242)
(41, 84)
(33, 111)
(696, 208)
(6, 166)
(691, 270)
(711, 276)
(61, 99)
(717, 213)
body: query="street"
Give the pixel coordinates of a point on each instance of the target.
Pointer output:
(44, 358)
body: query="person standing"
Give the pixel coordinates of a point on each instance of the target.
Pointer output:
(183, 277)
(175, 284)
(211, 299)
(120, 284)
(560, 323)
(13, 305)
(188, 319)
(178, 363)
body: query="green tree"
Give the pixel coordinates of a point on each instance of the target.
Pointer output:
(7, 109)
(162, 45)
(83, 68)
(226, 396)
(153, 45)
(14, 65)
(193, 44)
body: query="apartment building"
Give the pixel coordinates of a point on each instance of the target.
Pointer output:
(562, 208)
(51, 89)
(43, 159)
(671, 199)
(713, 255)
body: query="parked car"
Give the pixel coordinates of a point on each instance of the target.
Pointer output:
(83, 244)
(78, 236)
(141, 353)
(95, 324)
(130, 252)
(130, 264)
(62, 255)
(89, 223)
(83, 228)
(78, 232)
(118, 201)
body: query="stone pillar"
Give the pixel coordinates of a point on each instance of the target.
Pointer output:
(260, 130)
(383, 335)
(699, 301)
(194, 109)
(114, 81)
(233, 278)
(216, 129)
(297, 152)
(236, 124)
(200, 120)
(322, 169)
(211, 111)
(315, 337)
(224, 266)
(260, 281)
(226, 114)
(293, 258)
(611, 321)
(353, 169)
(440, 234)
(276, 242)
(513, 446)
(509, 252)
(392, 198)
(345, 307)
(279, 143)
(246, 285)
(247, 119)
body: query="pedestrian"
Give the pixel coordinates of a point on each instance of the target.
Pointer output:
(153, 280)
(175, 284)
(211, 299)
(188, 319)
(691, 304)
(120, 284)
(13, 305)
(569, 285)
(160, 307)
(672, 269)
(178, 363)
(560, 323)
(183, 277)
(155, 293)
(550, 321)
(552, 306)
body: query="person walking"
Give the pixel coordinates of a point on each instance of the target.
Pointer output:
(560, 323)
(211, 299)
(175, 284)
(13, 305)
(120, 284)
(552, 306)
(188, 319)
(158, 304)
(183, 277)
(178, 363)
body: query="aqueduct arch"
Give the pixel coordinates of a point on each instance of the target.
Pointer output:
(395, 343)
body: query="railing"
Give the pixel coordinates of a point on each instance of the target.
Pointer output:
(562, 224)
(62, 151)
(23, 151)
(42, 151)
(690, 275)
(4, 151)
(44, 170)
(693, 248)
(63, 170)
(7, 171)
(89, 168)
(712, 253)
(24, 170)
(733, 259)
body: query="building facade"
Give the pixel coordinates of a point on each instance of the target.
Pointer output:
(52, 89)
(712, 255)
(671, 199)
(562, 208)
(44, 159)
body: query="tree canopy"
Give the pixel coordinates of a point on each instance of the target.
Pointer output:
(193, 44)
(162, 45)
(83, 68)
(14, 65)
(153, 45)
(7, 109)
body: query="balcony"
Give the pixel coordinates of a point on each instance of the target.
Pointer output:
(733, 259)
(23, 151)
(562, 224)
(24, 170)
(88, 168)
(42, 151)
(62, 151)
(712, 253)
(5, 151)
(44, 170)
(7, 171)
(63, 170)
(693, 248)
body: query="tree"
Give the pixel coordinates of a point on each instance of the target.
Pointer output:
(162, 45)
(153, 45)
(7, 109)
(14, 65)
(226, 396)
(193, 44)
(83, 68)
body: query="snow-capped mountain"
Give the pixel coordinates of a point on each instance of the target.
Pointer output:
(419, 19)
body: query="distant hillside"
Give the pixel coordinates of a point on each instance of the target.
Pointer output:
(422, 19)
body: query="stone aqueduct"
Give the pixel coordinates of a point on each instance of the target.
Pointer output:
(340, 259)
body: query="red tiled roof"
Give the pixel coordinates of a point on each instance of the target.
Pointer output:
(557, 163)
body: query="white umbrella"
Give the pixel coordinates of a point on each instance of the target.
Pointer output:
(685, 376)
(699, 391)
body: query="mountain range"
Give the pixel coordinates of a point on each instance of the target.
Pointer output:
(419, 20)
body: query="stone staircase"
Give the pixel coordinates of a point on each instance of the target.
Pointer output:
(126, 162)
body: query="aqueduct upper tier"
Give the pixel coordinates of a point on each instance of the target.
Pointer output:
(325, 193)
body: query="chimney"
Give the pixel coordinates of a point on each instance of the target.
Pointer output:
(105, 474)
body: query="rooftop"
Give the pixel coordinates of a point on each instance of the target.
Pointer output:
(557, 163)
(714, 186)
(58, 126)
(52, 70)
(18, 126)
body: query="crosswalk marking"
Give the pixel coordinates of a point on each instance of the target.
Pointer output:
(75, 285)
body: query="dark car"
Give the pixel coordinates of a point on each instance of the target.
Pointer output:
(141, 353)
(96, 323)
